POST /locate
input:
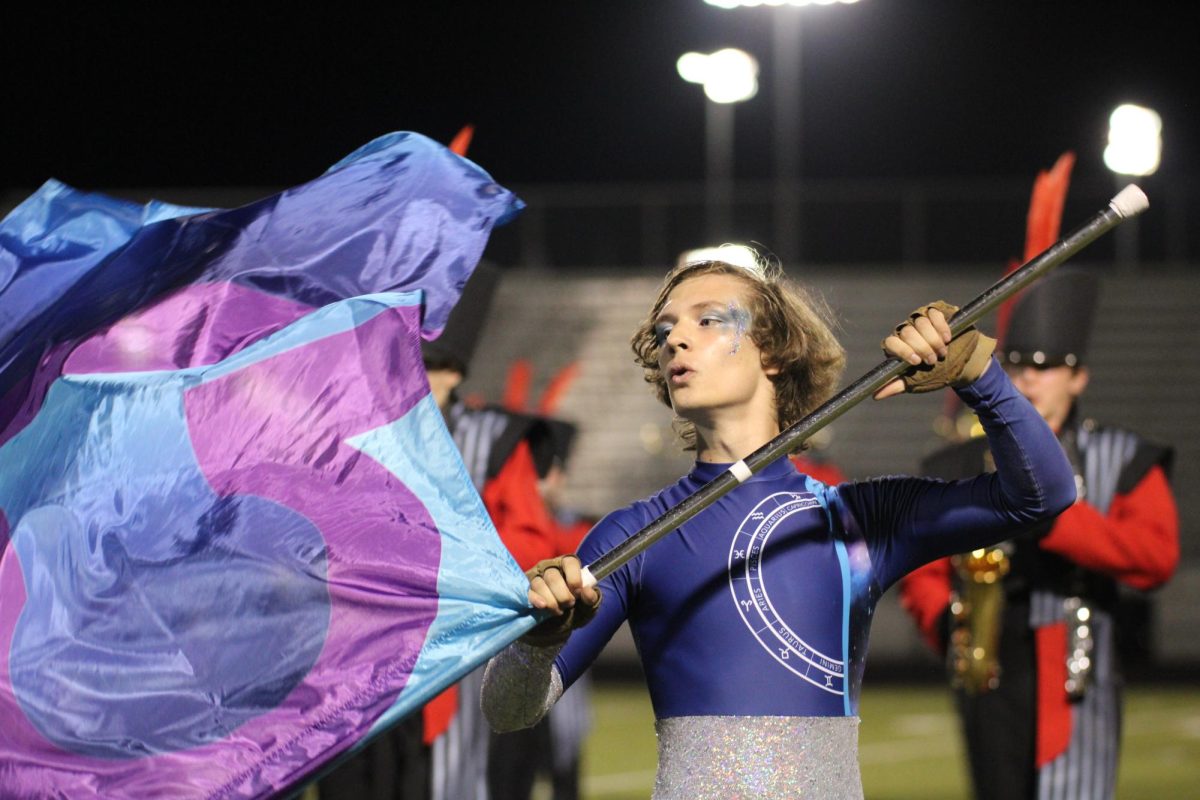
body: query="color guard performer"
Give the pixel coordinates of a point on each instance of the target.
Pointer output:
(751, 620)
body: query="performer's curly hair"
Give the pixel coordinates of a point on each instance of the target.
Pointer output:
(791, 326)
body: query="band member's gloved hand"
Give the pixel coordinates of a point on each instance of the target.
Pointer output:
(958, 363)
(558, 585)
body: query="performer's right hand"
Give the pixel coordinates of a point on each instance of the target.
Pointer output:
(556, 586)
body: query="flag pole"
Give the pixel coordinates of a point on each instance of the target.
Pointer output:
(1128, 203)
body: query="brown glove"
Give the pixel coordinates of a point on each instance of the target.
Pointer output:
(966, 358)
(555, 630)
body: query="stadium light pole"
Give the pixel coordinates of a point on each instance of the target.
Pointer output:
(786, 97)
(729, 76)
(1134, 148)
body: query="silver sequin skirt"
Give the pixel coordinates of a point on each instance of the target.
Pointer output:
(734, 758)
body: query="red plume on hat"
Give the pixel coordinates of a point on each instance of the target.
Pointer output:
(554, 391)
(1049, 323)
(516, 400)
(516, 387)
(520, 378)
(462, 140)
(1042, 224)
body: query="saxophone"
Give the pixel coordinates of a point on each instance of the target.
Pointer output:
(977, 609)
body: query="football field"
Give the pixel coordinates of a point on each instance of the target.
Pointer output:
(909, 745)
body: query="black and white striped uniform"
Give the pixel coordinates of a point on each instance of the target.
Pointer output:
(1088, 767)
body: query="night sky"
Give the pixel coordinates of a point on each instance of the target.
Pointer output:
(216, 94)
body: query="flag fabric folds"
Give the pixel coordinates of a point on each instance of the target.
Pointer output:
(235, 536)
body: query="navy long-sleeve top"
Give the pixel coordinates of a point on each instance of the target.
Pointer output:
(761, 604)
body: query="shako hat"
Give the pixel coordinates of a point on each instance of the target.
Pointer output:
(1051, 323)
(456, 345)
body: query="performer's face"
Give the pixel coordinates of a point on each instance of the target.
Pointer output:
(712, 367)
(1051, 390)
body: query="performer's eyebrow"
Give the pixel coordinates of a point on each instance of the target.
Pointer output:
(663, 312)
(730, 310)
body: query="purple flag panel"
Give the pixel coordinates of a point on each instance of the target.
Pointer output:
(224, 519)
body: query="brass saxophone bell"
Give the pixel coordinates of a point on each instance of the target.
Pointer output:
(976, 610)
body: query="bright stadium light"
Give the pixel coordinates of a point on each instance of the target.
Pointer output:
(692, 67)
(728, 75)
(1134, 148)
(752, 3)
(1134, 140)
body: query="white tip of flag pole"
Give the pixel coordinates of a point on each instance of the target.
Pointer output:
(1130, 201)
(588, 578)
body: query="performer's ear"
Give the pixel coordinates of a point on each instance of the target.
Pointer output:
(1079, 381)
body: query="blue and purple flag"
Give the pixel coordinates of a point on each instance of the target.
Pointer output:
(236, 539)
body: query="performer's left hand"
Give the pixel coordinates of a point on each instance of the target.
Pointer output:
(924, 340)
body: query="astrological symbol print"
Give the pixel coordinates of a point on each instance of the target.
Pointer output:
(748, 582)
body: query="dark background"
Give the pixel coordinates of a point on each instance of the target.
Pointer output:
(217, 94)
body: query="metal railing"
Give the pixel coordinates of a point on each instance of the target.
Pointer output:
(837, 221)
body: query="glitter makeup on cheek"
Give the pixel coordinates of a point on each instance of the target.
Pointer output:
(739, 318)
